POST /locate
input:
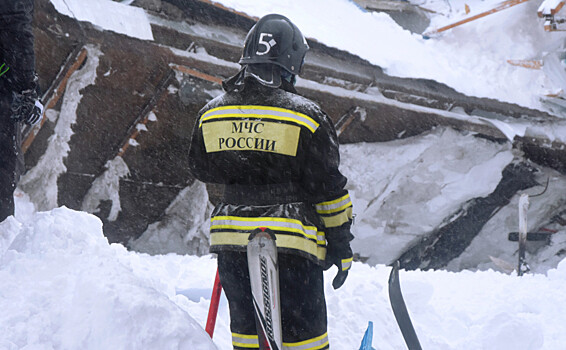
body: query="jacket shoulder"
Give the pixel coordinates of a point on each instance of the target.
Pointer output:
(215, 102)
(301, 104)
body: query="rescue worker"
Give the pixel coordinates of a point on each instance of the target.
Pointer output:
(18, 94)
(277, 155)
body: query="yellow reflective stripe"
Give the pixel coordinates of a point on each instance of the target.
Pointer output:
(338, 219)
(347, 263)
(334, 201)
(273, 223)
(263, 112)
(245, 341)
(310, 344)
(252, 342)
(244, 336)
(282, 240)
(334, 205)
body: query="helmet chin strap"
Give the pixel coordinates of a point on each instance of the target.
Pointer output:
(288, 76)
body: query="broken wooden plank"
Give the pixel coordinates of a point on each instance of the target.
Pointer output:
(549, 8)
(530, 64)
(196, 73)
(503, 6)
(55, 91)
(348, 118)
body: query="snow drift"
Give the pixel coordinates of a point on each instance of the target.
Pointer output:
(64, 287)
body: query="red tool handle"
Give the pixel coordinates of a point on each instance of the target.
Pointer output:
(213, 309)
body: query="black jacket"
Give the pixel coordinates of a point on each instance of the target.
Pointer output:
(277, 154)
(16, 45)
(16, 52)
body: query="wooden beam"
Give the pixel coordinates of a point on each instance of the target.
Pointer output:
(143, 117)
(55, 91)
(195, 73)
(549, 8)
(503, 6)
(531, 64)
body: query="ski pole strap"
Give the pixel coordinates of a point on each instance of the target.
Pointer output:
(3, 69)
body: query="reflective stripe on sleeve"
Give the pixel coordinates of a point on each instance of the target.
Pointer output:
(245, 341)
(262, 112)
(346, 264)
(336, 212)
(337, 219)
(334, 206)
(310, 344)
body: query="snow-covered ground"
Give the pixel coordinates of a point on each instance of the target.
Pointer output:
(64, 287)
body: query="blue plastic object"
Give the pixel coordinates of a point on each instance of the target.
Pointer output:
(368, 337)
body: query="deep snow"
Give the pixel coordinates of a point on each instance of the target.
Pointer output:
(64, 287)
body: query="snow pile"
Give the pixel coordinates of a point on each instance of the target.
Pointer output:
(464, 311)
(64, 287)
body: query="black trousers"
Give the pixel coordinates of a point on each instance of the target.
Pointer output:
(11, 157)
(303, 306)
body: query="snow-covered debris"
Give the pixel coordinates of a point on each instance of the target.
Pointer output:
(404, 189)
(108, 15)
(185, 227)
(107, 187)
(41, 181)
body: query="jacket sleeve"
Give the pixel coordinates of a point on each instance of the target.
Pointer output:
(17, 45)
(325, 183)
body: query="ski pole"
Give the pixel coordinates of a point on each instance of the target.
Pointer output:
(522, 266)
(213, 309)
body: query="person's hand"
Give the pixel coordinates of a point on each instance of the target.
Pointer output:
(27, 107)
(339, 254)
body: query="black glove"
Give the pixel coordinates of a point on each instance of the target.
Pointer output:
(27, 107)
(339, 254)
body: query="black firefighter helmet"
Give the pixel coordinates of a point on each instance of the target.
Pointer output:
(274, 47)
